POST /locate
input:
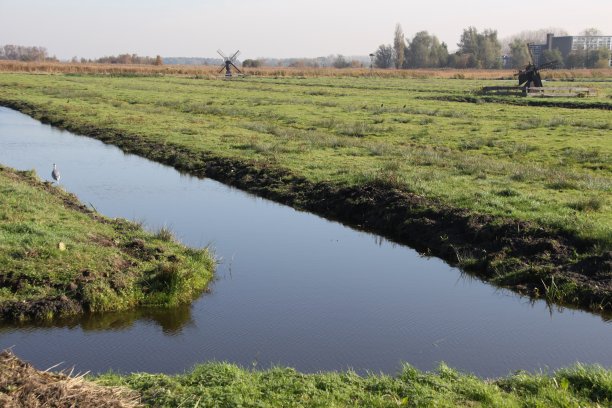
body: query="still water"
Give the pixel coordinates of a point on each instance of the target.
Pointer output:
(292, 288)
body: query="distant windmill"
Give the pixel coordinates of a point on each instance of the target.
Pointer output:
(229, 63)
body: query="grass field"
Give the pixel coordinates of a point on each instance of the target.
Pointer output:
(58, 258)
(537, 168)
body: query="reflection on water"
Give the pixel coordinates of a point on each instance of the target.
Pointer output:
(292, 289)
(172, 321)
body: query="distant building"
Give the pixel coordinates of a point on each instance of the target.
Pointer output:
(569, 43)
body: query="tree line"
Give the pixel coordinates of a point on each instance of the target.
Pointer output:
(482, 50)
(476, 50)
(125, 59)
(39, 54)
(24, 53)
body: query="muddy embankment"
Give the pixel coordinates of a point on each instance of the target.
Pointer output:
(527, 258)
(581, 103)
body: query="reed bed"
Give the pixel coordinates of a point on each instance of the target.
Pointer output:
(209, 71)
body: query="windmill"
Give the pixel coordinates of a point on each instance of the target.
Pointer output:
(530, 83)
(229, 63)
(530, 76)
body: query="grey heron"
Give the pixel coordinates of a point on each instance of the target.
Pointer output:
(55, 173)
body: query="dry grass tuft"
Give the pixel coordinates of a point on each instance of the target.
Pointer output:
(21, 385)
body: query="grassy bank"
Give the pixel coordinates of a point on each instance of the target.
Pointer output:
(59, 258)
(518, 194)
(226, 385)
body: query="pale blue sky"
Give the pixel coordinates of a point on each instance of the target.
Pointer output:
(272, 28)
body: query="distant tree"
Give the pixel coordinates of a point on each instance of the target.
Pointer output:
(519, 53)
(489, 50)
(384, 56)
(599, 58)
(23, 53)
(298, 63)
(589, 58)
(438, 53)
(576, 59)
(419, 50)
(425, 51)
(531, 36)
(341, 62)
(127, 59)
(399, 44)
(483, 49)
(159, 61)
(554, 55)
(251, 63)
(590, 32)
(461, 61)
(468, 43)
(124, 59)
(468, 48)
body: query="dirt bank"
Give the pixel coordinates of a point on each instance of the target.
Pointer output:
(582, 103)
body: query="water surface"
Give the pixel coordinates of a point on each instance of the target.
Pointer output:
(292, 289)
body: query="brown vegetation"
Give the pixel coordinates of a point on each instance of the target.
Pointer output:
(21, 385)
(212, 71)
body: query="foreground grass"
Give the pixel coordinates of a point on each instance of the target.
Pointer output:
(58, 258)
(521, 194)
(226, 385)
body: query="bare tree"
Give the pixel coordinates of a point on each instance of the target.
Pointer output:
(531, 36)
(22, 53)
(341, 62)
(590, 32)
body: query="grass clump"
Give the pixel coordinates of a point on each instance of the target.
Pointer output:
(587, 204)
(59, 258)
(356, 129)
(165, 234)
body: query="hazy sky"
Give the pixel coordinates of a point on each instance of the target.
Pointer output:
(272, 28)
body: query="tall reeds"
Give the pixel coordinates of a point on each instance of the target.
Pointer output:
(209, 71)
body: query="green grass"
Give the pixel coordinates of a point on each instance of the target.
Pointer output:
(58, 258)
(518, 194)
(226, 385)
(557, 161)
